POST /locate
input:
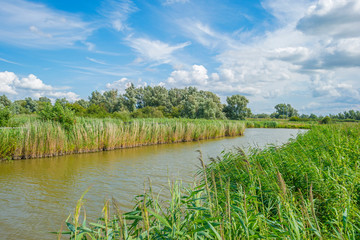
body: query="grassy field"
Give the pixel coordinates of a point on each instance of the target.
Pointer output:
(307, 189)
(32, 138)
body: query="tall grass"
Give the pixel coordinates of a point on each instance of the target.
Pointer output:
(306, 189)
(34, 138)
(279, 124)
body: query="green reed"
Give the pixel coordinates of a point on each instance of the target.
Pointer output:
(308, 188)
(33, 138)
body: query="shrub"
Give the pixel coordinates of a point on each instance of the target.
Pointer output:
(147, 112)
(326, 120)
(96, 111)
(58, 113)
(295, 119)
(4, 117)
(124, 116)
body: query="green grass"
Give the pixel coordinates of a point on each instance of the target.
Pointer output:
(32, 138)
(279, 123)
(308, 188)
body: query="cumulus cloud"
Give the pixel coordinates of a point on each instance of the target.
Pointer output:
(119, 84)
(7, 82)
(31, 86)
(35, 25)
(335, 18)
(196, 76)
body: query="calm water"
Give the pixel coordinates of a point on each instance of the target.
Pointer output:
(37, 195)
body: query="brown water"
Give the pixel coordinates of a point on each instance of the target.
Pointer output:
(37, 195)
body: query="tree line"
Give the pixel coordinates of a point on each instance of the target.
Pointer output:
(155, 102)
(143, 102)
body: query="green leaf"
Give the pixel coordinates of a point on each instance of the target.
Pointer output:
(160, 218)
(214, 231)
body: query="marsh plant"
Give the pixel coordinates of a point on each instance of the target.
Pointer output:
(41, 138)
(306, 189)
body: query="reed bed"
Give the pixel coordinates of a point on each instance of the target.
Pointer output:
(279, 124)
(35, 138)
(306, 189)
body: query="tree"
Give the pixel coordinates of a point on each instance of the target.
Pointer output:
(130, 98)
(285, 111)
(96, 98)
(5, 101)
(31, 105)
(236, 107)
(4, 116)
(44, 99)
(83, 103)
(58, 113)
(112, 101)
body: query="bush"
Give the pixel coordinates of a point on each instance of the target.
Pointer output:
(326, 120)
(58, 113)
(96, 111)
(4, 117)
(147, 112)
(124, 116)
(295, 119)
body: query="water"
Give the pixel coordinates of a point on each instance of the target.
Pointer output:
(37, 195)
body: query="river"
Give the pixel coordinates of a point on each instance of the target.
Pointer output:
(37, 195)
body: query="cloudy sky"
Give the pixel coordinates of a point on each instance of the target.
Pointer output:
(302, 52)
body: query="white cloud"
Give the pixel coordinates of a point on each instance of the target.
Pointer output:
(7, 80)
(96, 61)
(287, 12)
(196, 76)
(31, 82)
(155, 50)
(35, 25)
(205, 35)
(8, 61)
(170, 2)
(336, 18)
(117, 13)
(31, 86)
(119, 84)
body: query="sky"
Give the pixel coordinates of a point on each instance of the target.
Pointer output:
(302, 52)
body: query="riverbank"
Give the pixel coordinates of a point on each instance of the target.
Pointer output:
(34, 138)
(306, 189)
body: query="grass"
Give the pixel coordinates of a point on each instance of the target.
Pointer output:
(32, 138)
(279, 123)
(308, 188)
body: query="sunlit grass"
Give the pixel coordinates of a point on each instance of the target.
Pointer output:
(33, 138)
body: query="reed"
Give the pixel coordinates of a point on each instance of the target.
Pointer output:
(278, 124)
(33, 138)
(306, 189)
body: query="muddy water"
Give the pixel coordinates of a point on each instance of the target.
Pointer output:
(37, 195)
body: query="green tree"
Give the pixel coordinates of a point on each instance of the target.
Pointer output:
(4, 116)
(236, 107)
(31, 105)
(83, 103)
(96, 98)
(58, 113)
(5, 101)
(112, 101)
(44, 99)
(285, 111)
(130, 98)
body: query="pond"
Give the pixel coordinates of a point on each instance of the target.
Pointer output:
(37, 195)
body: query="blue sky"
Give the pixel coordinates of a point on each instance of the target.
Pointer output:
(304, 52)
